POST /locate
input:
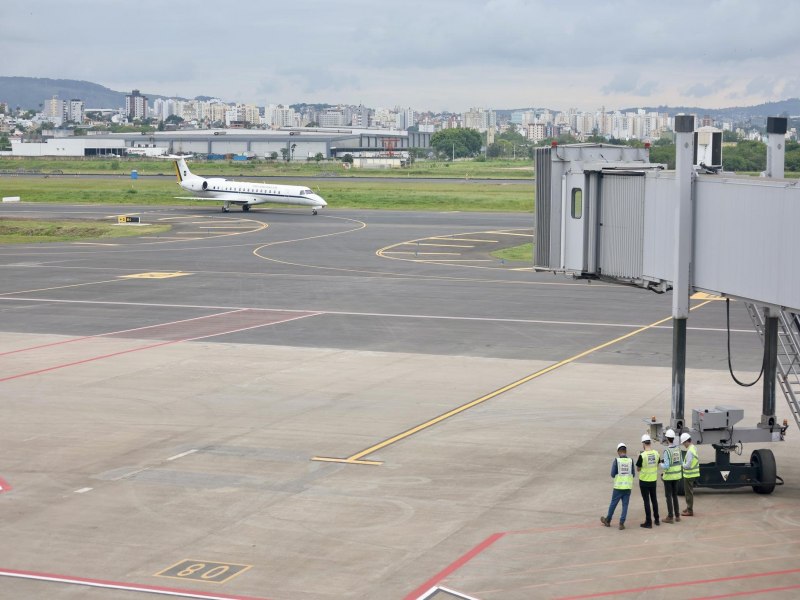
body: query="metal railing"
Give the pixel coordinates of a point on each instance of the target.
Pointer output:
(788, 354)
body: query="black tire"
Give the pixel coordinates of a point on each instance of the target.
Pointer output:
(766, 470)
(245, 208)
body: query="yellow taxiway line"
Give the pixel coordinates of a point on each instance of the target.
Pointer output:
(358, 457)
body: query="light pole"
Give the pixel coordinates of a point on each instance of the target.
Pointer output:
(454, 152)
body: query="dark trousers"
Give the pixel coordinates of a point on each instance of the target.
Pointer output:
(648, 490)
(671, 492)
(616, 497)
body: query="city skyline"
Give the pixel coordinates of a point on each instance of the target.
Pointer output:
(433, 56)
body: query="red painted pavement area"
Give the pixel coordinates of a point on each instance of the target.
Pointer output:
(117, 585)
(454, 566)
(663, 586)
(4, 486)
(488, 542)
(202, 336)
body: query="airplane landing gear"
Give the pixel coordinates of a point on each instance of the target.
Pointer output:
(245, 208)
(313, 211)
(226, 207)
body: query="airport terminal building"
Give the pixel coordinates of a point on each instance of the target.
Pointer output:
(295, 144)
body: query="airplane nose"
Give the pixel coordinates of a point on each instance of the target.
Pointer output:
(321, 201)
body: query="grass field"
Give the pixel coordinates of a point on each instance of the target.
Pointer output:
(411, 195)
(30, 232)
(461, 169)
(522, 253)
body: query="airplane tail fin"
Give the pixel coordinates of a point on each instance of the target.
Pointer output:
(182, 170)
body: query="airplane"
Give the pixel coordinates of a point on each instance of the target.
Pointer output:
(243, 193)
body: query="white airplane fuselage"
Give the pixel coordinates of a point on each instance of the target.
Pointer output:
(245, 193)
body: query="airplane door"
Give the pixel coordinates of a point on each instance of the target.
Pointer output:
(574, 222)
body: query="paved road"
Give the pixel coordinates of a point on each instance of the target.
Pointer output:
(357, 405)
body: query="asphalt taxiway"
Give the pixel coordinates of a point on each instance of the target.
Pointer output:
(358, 405)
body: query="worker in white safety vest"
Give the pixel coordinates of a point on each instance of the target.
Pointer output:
(647, 464)
(622, 474)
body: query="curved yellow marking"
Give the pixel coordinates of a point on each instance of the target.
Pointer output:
(358, 456)
(412, 275)
(383, 252)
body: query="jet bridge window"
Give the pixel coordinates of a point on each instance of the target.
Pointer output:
(577, 203)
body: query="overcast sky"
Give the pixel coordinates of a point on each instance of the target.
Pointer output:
(429, 55)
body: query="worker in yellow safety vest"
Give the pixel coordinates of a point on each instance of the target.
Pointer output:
(647, 464)
(622, 473)
(672, 463)
(691, 472)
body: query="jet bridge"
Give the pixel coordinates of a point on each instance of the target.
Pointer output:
(607, 212)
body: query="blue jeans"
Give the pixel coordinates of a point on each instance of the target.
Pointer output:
(616, 496)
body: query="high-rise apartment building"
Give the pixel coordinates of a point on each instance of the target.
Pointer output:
(136, 105)
(404, 118)
(54, 110)
(74, 110)
(480, 119)
(331, 117)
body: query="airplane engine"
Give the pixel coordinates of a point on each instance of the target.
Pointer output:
(196, 184)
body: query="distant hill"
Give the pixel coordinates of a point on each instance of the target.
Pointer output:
(789, 107)
(31, 92)
(758, 112)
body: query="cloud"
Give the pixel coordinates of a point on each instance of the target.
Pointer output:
(703, 89)
(628, 83)
(452, 53)
(762, 85)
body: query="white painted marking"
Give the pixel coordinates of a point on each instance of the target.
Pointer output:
(92, 244)
(462, 239)
(445, 261)
(182, 454)
(530, 235)
(362, 314)
(131, 473)
(83, 490)
(424, 253)
(437, 245)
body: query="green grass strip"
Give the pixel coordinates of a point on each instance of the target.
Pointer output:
(31, 232)
(523, 253)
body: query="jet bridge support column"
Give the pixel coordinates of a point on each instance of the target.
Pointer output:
(776, 146)
(770, 369)
(684, 171)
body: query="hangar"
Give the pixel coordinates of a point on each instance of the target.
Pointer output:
(299, 144)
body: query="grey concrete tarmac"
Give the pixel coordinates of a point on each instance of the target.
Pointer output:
(164, 399)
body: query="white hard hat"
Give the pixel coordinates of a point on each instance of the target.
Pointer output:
(621, 445)
(646, 438)
(685, 437)
(670, 434)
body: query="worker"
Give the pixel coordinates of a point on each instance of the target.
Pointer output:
(672, 466)
(647, 464)
(622, 473)
(691, 471)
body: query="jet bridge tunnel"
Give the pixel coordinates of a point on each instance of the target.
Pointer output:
(606, 212)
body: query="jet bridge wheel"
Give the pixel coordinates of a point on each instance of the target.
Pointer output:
(763, 461)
